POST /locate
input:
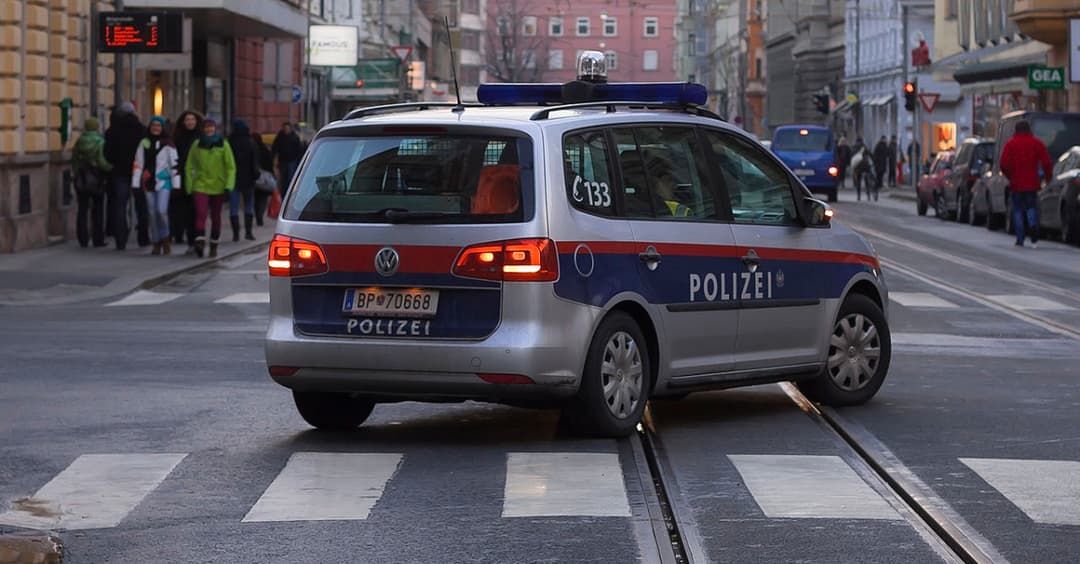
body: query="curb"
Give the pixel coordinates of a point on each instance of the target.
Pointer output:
(202, 264)
(31, 547)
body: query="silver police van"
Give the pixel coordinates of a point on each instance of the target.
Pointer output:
(589, 245)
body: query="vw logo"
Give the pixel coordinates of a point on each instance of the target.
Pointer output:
(803, 163)
(387, 261)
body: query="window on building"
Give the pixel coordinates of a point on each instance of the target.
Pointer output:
(583, 27)
(470, 40)
(611, 27)
(470, 6)
(470, 75)
(612, 60)
(555, 27)
(758, 70)
(278, 68)
(555, 59)
(652, 27)
(691, 44)
(528, 26)
(950, 8)
(650, 60)
(528, 59)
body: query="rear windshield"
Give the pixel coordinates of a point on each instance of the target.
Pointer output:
(415, 179)
(1058, 133)
(814, 141)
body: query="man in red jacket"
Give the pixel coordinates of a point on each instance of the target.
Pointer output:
(1020, 162)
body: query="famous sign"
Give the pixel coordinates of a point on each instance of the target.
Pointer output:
(334, 45)
(140, 32)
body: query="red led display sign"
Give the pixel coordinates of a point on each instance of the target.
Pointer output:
(140, 32)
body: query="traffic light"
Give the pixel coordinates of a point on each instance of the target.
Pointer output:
(910, 93)
(821, 102)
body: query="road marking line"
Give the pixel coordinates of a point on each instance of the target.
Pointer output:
(549, 484)
(1031, 303)
(326, 486)
(96, 491)
(144, 298)
(810, 486)
(1047, 491)
(245, 298)
(920, 299)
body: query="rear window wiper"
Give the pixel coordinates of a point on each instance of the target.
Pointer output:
(402, 215)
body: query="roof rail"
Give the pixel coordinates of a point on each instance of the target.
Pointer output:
(687, 108)
(403, 107)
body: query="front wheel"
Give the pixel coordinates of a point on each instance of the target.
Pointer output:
(616, 382)
(860, 348)
(333, 411)
(939, 206)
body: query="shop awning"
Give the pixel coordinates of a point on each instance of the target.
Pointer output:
(844, 106)
(994, 70)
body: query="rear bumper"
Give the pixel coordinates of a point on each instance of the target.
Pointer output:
(548, 346)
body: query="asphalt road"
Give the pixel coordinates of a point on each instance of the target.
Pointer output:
(152, 418)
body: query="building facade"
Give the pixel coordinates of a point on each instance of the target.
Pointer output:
(805, 56)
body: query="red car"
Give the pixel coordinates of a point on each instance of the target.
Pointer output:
(929, 188)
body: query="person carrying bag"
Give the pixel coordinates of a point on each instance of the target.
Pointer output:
(90, 171)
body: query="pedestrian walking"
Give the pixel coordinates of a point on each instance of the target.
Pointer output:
(121, 139)
(1020, 161)
(181, 205)
(288, 149)
(894, 154)
(91, 172)
(247, 171)
(155, 173)
(862, 171)
(266, 167)
(843, 159)
(881, 163)
(210, 173)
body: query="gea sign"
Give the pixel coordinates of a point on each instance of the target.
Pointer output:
(1046, 78)
(333, 45)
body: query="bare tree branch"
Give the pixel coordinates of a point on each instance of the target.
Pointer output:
(511, 55)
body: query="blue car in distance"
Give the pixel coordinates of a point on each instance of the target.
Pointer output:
(808, 151)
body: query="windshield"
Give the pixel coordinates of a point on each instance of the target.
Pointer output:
(433, 179)
(1058, 133)
(814, 141)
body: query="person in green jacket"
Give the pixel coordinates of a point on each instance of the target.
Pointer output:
(90, 171)
(210, 173)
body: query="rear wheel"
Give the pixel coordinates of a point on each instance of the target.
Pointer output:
(333, 411)
(616, 382)
(973, 217)
(939, 206)
(860, 348)
(1070, 225)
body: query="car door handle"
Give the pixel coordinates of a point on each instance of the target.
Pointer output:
(751, 260)
(651, 257)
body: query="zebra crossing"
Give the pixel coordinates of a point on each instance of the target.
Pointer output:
(925, 300)
(99, 491)
(146, 298)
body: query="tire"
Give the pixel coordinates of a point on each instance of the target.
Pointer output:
(920, 205)
(939, 206)
(974, 218)
(333, 411)
(1070, 226)
(962, 209)
(853, 376)
(618, 360)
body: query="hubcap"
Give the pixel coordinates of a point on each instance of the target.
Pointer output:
(854, 352)
(621, 375)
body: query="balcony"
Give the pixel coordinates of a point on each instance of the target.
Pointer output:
(1045, 20)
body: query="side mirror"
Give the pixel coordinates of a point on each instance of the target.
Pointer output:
(818, 213)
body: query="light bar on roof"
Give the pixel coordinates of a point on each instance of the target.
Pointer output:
(680, 93)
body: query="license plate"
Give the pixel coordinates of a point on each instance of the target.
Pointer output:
(804, 171)
(391, 302)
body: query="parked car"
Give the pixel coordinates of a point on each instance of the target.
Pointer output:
(1059, 201)
(990, 194)
(972, 155)
(928, 189)
(808, 151)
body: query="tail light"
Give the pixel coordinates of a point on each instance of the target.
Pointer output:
(295, 257)
(833, 171)
(519, 260)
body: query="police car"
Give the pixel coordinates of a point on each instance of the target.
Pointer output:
(589, 245)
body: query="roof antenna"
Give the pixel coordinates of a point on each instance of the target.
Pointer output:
(453, 68)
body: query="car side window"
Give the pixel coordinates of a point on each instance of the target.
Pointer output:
(663, 173)
(758, 187)
(587, 169)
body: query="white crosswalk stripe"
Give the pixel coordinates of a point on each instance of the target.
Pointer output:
(1047, 491)
(808, 486)
(245, 298)
(920, 299)
(145, 298)
(549, 484)
(95, 491)
(325, 486)
(1031, 303)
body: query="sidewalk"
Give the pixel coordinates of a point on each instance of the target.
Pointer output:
(65, 273)
(903, 192)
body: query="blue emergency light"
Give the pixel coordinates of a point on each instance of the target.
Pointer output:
(678, 93)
